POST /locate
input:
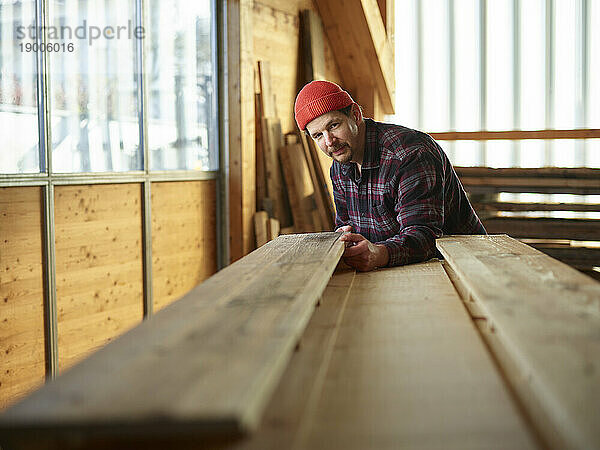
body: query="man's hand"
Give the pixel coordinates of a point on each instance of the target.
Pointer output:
(344, 229)
(361, 254)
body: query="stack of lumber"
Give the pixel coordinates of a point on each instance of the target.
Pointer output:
(562, 230)
(500, 350)
(291, 178)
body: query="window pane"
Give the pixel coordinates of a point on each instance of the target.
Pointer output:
(179, 76)
(407, 92)
(18, 99)
(467, 67)
(94, 116)
(436, 76)
(533, 65)
(593, 78)
(565, 64)
(499, 87)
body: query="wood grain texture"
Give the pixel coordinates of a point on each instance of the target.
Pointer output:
(299, 186)
(272, 141)
(184, 236)
(21, 293)
(206, 364)
(242, 154)
(544, 228)
(323, 200)
(276, 36)
(99, 280)
(542, 180)
(516, 135)
(409, 371)
(261, 219)
(545, 320)
(364, 56)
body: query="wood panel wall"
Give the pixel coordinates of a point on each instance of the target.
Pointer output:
(184, 238)
(22, 363)
(276, 33)
(99, 271)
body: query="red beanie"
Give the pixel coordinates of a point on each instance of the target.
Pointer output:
(318, 98)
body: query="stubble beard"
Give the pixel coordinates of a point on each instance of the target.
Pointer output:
(345, 157)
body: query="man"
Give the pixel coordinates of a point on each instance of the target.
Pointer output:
(394, 188)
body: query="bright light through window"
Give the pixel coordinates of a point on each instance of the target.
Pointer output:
(536, 77)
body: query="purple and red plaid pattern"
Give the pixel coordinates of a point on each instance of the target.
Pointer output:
(406, 196)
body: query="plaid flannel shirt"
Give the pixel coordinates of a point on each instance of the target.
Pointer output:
(406, 195)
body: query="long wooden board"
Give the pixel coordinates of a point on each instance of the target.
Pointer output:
(543, 322)
(408, 370)
(386, 364)
(207, 363)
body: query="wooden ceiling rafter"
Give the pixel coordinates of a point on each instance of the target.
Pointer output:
(362, 47)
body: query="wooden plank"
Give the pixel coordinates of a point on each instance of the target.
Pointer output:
(273, 141)
(524, 206)
(312, 46)
(299, 186)
(206, 364)
(516, 135)
(288, 404)
(276, 35)
(261, 178)
(273, 228)
(268, 104)
(576, 173)
(544, 228)
(242, 162)
(408, 370)
(99, 274)
(576, 180)
(578, 257)
(319, 185)
(260, 228)
(322, 161)
(545, 320)
(21, 293)
(184, 235)
(368, 42)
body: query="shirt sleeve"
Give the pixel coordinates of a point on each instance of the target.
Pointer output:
(341, 210)
(419, 208)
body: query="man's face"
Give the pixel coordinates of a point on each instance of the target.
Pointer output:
(336, 134)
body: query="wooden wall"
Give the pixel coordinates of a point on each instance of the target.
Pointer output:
(184, 240)
(99, 267)
(276, 33)
(99, 272)
(22, 363)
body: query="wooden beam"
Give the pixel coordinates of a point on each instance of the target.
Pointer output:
(206, 364)
(578, 180)
(542, 322)
(242, 159)
(523, 206)
(364, 54)
(516, 135)
(544, 228)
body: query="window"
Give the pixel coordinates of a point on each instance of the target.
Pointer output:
(501, 65)
(18, 91)
(121, 91)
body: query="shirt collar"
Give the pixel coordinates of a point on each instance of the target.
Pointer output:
(372, 151)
